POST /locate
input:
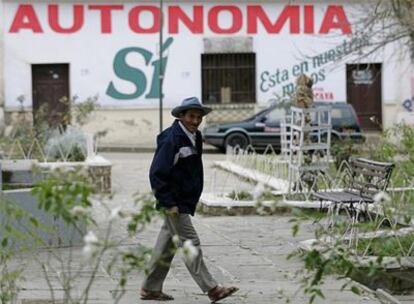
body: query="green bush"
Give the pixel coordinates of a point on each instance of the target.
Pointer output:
(396, 246)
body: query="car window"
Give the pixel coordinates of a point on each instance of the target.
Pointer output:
(323, 117)
(343, 115)
(340, 115)
(256, 115)
(276, 115)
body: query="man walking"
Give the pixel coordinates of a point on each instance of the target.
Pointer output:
(176, 177)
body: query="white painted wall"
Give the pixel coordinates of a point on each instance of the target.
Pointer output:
(91, 54)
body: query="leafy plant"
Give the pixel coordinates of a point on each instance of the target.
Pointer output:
(15, 236)
(82, 110)
(29, 139)
(383, 149)
(242, 195)
(396, 246)
(398, 139)
(69, 195)
(67, 146)
(338, 249)
(64, 190)
(343, 150)
(407, 139)
(267, 195)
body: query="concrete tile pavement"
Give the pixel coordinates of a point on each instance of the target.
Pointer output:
(248, 251)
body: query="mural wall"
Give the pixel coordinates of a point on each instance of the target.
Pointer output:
(113, 49)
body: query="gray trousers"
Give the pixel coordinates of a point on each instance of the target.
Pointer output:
(163, 254)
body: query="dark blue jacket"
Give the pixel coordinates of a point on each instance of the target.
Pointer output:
(176, 172)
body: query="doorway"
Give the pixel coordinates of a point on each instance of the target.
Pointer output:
(364, 93)
(50, 83)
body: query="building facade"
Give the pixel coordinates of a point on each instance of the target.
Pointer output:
(236, 56)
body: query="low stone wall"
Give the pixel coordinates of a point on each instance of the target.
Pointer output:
(99, 169)
(101, 176)
(19, 173)
(219, 205)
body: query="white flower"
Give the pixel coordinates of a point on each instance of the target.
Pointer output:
(381, 197)
(258, 191)
(176, 240)
(90, 238)
(116, 212)
(78, 211)
(91, 241)
(189, 250)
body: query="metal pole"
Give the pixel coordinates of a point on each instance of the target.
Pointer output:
(161, 72)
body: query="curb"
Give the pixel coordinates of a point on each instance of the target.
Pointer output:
(381, 295)
(120, 149)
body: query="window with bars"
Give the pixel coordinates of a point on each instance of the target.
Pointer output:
(228, 78)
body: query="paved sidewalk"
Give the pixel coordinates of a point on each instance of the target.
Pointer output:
(248, 251)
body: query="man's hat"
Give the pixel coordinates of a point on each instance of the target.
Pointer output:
(190, 103)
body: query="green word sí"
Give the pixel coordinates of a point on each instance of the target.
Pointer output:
(135, 75)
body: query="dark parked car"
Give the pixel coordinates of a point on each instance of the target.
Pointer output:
(263, 128)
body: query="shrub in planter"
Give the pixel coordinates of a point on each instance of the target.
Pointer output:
(67, 146)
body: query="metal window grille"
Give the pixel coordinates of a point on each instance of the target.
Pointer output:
(229, 78)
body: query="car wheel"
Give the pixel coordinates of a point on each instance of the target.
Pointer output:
(236, 140)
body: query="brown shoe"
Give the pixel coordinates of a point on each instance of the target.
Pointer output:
(218, 293)
(155, 295)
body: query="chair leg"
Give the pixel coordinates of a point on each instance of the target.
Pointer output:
(330, 215)
(354, 228)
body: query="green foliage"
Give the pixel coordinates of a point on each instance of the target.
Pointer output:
(383, 149)
(240, 195)
(314, 215)
(247, 196)
(68, 194)
(15, 235)
(77, 154)
(343, 150)
(134, 259)
(83, 110)
(79, 111)
(322, 262)
(15, 226)
(66, 191)
(62, 190)
(28, 139)
(20, 143)
(332, 254)
(395, 246)
(398, 139)
(407, 140)
(8, 285)
(267, 196)
(403, 174)
(147, 212)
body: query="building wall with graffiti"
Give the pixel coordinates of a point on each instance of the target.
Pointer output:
(113, 52)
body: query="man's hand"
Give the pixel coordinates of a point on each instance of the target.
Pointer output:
(173, 211)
